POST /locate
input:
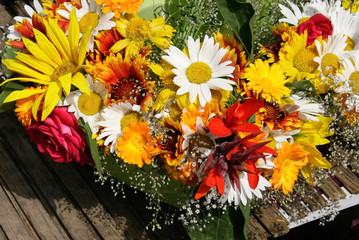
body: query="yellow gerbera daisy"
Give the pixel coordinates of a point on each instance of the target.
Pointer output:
(291, 158)
(267, 81)
(136, 31)
(120, 6)
(136, 145)
(297, 60)
(55, 61)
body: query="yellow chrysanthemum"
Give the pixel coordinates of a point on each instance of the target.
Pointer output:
(55, 61)
(136, 145)
(296, 59)
(24, 106)
(137, 30)
(291, 158)
(267, 81)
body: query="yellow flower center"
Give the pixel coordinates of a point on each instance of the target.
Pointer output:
(130, 117)
(138, 30)
(198, 72)
(354, 81)
(350, 44)
(271, 112)
(90, 104)
(63, 69)
(88, 22)
(303, 61)
(329, 64)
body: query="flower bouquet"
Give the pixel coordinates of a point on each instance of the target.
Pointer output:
(189, 101)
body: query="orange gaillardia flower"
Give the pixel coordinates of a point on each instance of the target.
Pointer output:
(291, 158)
(120, 6)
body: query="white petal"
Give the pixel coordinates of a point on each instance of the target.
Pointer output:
(206, 92)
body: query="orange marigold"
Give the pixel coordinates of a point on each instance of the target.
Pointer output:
(291, 158)
(24, 106)
(136, 145)
(120, 6)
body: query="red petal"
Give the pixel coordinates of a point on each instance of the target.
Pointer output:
(202, 191)
(217, 127)
(16, 44)
(247, 109)
(247, 127)
(253, 179)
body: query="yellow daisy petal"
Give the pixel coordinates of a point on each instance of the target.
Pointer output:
(35, 63)
(46, 46)
(52, 97)
(80, 82)
(20, 94)
(66, 82)
(74, 35)
(36, 105)
(36, 51)
(17, 66)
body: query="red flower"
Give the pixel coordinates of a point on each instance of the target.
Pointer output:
(317, 25)
(236, 115)
(60, 137)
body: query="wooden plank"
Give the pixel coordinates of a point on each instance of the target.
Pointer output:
(42, 220)
(331, 189)
(311, 196)
(44, 182)
(295, 209)
(255, 231)
(120, 208)
(13, 225)
(347, 178)
(273, 220)
(105, 225)
(3, 234)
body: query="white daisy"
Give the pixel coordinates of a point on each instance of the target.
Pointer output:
(234, 195)
(346, 23)
(308, 109)
(292, 17)
(348, 78)
(114, 117)
(201, 71)
(13, 34)
(89, 16)
(89, 108)
(331, 53)
(280, 136)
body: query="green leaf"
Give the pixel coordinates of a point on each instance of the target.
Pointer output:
(7, 89)
(238, 14)
(8, 53)
(92, 144)
(239, 218)
(146, 179)
(303, 86)
(229, 225)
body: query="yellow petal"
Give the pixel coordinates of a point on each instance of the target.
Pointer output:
(35, 63)
(118, 46)
(307, 173)
(74, 35)
(24, 79)
(79, 81)
(36, 105)
(52, 97)
(58, 39)
(47, 47)
(83, 47)
(36, 51)
(20, 94)
(19, 67)
(66, 82)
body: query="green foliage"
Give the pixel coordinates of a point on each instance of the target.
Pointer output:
(238, 15)
(6, 90)
(91, 143)
(8, 53)
(149, 180)
(303, 86)
(228, 225)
